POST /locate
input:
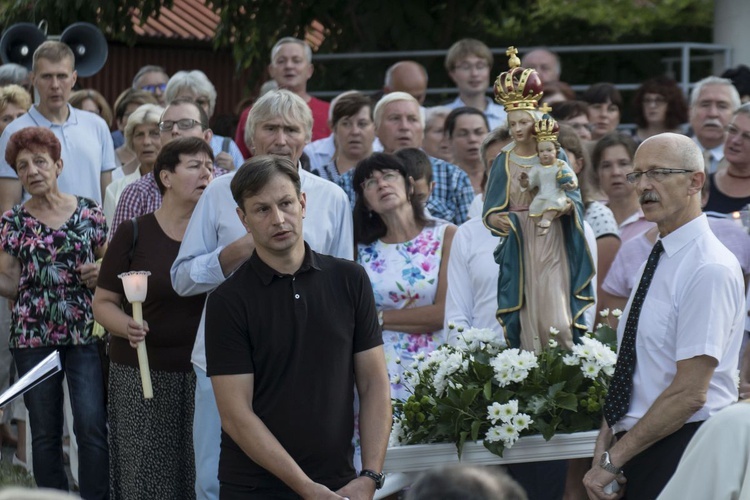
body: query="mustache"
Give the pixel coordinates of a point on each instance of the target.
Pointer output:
(713, 122)
(648, 196)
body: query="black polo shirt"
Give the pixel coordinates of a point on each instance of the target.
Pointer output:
(298, 335)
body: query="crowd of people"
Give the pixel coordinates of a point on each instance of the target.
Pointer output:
(300, 267)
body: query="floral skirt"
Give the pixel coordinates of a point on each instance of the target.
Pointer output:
(151, 441)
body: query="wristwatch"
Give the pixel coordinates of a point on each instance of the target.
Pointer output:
(605, 464)
(378, 477)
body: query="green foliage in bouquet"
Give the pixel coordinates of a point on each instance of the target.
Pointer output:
(478, 389)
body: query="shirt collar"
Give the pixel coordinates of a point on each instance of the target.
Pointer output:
(42, 120)
(267, 273)
(677, 239)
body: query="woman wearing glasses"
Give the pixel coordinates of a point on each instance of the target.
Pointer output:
(405, 255)
(730, 187)
(659, 106)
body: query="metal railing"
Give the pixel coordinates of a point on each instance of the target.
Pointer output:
(686, 55)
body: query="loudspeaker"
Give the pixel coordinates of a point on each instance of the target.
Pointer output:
(19, 43)
(88, 45)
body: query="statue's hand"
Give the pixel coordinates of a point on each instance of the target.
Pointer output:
(523, 180)
(569, 186)
(567, 210)
(500, 222)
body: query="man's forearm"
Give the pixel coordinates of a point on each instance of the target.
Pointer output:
(235, 254)
(375, 421)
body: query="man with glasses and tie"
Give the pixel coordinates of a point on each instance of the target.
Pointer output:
(679, 336)
(152, 79)
(182, 118)
(469, 64)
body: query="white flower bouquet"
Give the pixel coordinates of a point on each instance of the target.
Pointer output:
(478, 389)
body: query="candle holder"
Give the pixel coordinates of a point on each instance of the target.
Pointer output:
(135, 284)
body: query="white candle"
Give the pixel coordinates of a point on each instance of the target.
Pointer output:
(135, 284)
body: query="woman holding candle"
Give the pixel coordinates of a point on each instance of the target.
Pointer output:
(50, 243)
(151, 447)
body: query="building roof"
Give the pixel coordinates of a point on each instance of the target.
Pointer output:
(186, 20)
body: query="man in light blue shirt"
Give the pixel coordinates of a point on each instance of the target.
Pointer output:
(216, 244)
(87, 152)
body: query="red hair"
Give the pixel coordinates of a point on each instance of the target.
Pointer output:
(34, 139)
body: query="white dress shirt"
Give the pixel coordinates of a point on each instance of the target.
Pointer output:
(695, 306)
(327, 228)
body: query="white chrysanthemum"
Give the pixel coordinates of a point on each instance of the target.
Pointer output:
(494, 412)
(493, 434)
(420, 356)
(553, 331)
(521, 422)
(616, 313)
(590, 369)
(518, 375)
(604, 313)
(509, 434)
(570, 359)
(609, 370)
(527, 360)
(503, 377)
(397, 434)
(552, 343)
(508, 410)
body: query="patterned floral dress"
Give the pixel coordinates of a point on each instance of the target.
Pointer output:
(405, 275)
(53, 306)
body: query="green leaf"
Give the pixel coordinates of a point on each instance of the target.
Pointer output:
(475, 426)
(468, 396)
(488, 390)
(566, 401)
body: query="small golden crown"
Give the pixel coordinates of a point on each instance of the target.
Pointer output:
(546, 129)
(518, 88)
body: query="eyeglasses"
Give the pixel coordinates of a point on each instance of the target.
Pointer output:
(654, 101)
(183, 124)
(153, 88)
(733, 131)
(655, 174)
(373, 182)
(480, 66)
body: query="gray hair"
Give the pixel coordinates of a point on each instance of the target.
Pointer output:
(433, 113)
(744, 109)
(734, 96)
(150, 68)
(144, 114)
(393, 97)
(279, 104)
(291, 39)
(195, 82)
(12, 73)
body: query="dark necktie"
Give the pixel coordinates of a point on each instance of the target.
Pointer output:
(620, 388)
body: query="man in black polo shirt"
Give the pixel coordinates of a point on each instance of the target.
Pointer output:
(286, 336)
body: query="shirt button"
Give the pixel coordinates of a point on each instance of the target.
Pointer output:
(296, 295)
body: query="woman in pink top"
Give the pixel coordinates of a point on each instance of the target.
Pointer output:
(613, 160)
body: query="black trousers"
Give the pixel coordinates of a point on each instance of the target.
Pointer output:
(649, 471)
(229, 491)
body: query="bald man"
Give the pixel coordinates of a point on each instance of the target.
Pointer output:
(407, 76)
(545, 62)
(679, 336)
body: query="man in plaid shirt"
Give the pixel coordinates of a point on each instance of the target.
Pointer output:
(399, 124)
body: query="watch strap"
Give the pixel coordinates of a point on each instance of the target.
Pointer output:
(605, 464)
(378, 477)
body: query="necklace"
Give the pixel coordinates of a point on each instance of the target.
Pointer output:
(735, 176)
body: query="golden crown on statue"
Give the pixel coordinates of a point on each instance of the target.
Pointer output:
(518, 88)
(546, 129)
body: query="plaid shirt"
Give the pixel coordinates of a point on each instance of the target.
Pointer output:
(140, 198)
(450, 200)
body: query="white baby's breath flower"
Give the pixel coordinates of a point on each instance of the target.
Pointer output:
(604, 313)
(398, 361)
(598, 325)
(396, 379)
(553, 331)
(552, 343)
(420, 356)
(616, 313)
(521, 422)
(451, 326)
